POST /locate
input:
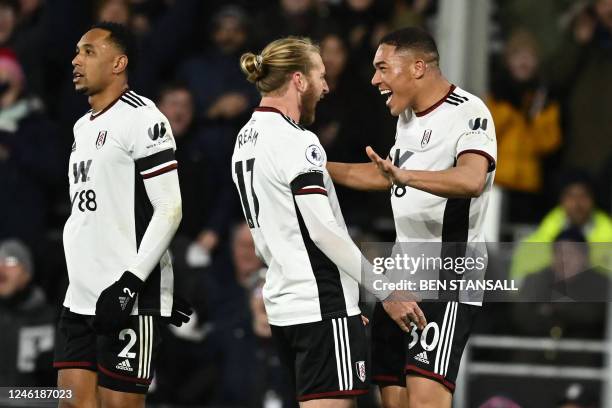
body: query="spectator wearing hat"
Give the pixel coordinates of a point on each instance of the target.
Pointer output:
(29, 158)
(26, 321)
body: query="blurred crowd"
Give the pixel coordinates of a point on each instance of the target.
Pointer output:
(550, 72)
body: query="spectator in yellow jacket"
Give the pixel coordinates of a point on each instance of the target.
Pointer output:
(576, 209)
(527, 125)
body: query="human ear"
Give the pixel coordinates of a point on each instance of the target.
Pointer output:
(418, 68)
(120, 64)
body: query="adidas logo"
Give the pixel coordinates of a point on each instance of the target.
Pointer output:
(123, 301)
(124, 365)
(422, 357)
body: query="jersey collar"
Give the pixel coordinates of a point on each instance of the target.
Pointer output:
(435, 105)
(110, 105)
(287, 118)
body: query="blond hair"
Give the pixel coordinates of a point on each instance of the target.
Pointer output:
(270, 70)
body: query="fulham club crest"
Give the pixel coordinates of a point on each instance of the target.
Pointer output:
(101, 139)
(361, 370)
(426, 137)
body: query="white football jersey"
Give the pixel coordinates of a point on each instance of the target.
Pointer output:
(113, 152)
(433, 140)
(273, 160)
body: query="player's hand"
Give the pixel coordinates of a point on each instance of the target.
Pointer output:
(386, 167)
(181, 312)
(364, 320)
(116, 302)
(208, 239)
(403, 312)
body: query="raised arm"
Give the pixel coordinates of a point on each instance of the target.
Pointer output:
(466, 179)
(358, 176)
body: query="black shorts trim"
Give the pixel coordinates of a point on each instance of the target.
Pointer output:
(414, 370)
(73, 364)
(332, 394)
(388, 381)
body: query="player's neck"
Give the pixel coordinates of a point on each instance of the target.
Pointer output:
(432, 92)
(110, 94)
(283, 104)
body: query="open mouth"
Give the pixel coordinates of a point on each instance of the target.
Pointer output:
(76, 76)
(388, 93)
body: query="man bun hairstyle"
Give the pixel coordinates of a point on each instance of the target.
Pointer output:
(252, 66)
(414, 39)
(270, 69)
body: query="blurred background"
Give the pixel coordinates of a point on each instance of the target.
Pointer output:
(543, 67)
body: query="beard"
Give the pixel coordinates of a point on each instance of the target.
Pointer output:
(309, 103)
(82, 91)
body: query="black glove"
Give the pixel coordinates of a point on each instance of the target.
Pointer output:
(181, 312)
(116, 302)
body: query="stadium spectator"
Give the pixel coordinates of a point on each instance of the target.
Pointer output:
(569, 297)
(546, 19)
(27, 324)
(363, 24)
(116, 11)
(233, 344)
(247, 265)
(270, 386)
(221, 94)
(411, 13)
(583, 68)
(9, 14)
(288, 17)
(28, 43)
(528, 127)
(570, 275)
(29, 157)
(576, 209)
(346, 122)
(208, 198)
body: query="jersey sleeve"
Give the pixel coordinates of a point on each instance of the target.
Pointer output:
(151, 143)
(304, 155)
(477, 135)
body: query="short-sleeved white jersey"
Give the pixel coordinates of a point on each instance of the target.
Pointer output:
(113, 152)
(272, 162)
(433, 140)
